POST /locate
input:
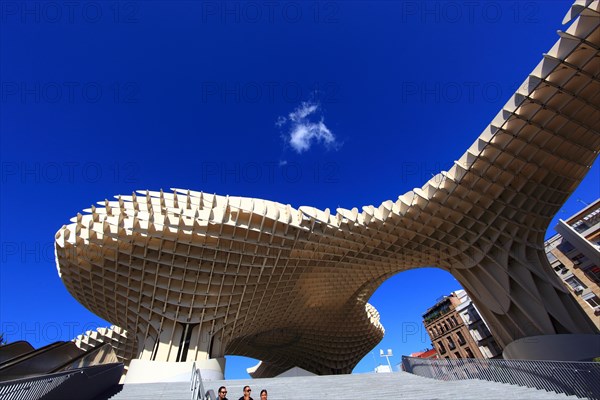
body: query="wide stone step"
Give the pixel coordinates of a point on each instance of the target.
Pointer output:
(400, 385)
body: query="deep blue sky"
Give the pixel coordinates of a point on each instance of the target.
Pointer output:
(103, 98)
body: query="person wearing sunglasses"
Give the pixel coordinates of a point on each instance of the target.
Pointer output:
(222, 393)
(246, 395)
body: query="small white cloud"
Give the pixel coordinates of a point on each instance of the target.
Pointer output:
(303, 131)
(280, 121)
(303, 134)
(303, 111)
(300, 138)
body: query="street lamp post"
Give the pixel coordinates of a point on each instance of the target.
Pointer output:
(387, 356)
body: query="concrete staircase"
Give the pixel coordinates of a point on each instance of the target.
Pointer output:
(400, 385)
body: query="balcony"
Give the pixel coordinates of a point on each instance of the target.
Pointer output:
(474, 319)
(578, 289)
(435, 315)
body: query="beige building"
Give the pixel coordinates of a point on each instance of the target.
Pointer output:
(457, 330)
(192, 276)
(574, 253)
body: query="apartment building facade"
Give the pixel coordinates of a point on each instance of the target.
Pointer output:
(574, 254)
(457, 330)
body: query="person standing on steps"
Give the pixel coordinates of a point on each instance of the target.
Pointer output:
(222, 393)
(246, 395)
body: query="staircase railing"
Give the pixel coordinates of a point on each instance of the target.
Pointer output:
(581, 379)
(34, 387)
(196, 386)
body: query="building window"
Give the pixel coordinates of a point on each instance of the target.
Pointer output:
(453, 319)
(465, 316)
(579, 260)
(485, 351)
(580, 226)
(441, 347)
(474, 315)
(593, 273)
(593, 301)
(575, 284)
(451, 344)
(565, 247)
(461, 338)
(469, 353)
(484, 330)
(457, 355)
(560, 268)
